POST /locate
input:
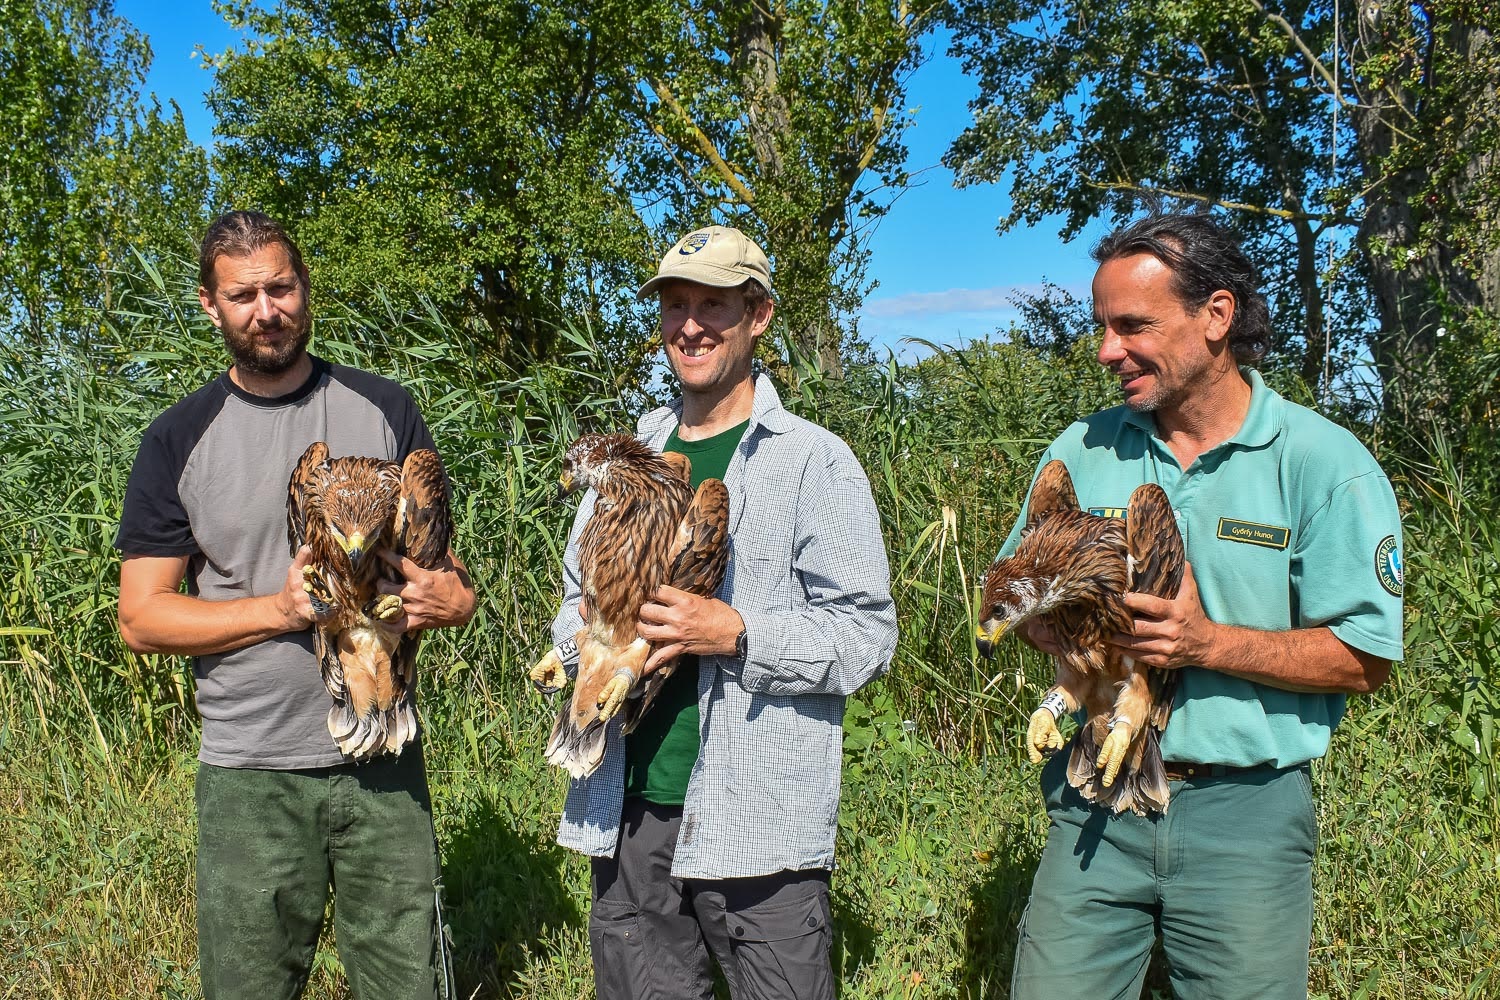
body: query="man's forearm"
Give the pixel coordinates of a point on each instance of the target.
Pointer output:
(189, 626)
(1309, 659)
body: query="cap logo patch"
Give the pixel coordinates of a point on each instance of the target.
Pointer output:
(1388, 566)
(1269, 535)
(693, 244)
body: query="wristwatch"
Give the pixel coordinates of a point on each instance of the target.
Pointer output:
(741, 646)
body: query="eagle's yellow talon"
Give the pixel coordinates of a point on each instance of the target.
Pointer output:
(612, 695)
(1112, 753)
(387, 609)
(548, 675)
(1042, 737)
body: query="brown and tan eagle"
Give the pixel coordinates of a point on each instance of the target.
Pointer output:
(345, 510)
(648, 529)
(1071, 571)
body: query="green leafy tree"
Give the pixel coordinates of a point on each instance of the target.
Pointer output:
(465, 153)
(1090, 108)
(786, 119)
(91, 169)
(503, 157)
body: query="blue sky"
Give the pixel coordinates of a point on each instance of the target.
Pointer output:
(943, 272)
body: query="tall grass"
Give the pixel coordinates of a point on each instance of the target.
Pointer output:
(940, 827)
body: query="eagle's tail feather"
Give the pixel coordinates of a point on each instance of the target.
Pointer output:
(1141, 786)
(577, 750)
(342, 722)
(1081, 773)
(402, 727)
(363, 737)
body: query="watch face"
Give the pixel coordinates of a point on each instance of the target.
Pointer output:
(741, 645)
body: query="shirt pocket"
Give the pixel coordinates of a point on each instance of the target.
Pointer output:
(764, 584)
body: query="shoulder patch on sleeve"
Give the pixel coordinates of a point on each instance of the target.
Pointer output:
(1388, 565)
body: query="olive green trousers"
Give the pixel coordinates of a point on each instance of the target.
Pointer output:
(1224, 877)
(271, 847)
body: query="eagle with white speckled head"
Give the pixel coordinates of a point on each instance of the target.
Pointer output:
(1071, 571)
(648, 528)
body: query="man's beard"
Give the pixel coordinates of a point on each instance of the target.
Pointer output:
(264, 361)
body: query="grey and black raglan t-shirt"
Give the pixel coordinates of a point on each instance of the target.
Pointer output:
(210, 483)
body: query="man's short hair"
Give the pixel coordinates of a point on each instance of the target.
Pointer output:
(240, 234)
(1204, 257)
(754, 294)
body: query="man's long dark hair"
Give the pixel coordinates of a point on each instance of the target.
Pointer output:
(1204, 258)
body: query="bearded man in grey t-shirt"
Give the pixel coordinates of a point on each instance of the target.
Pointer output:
(282, 814)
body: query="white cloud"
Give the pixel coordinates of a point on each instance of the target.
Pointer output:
(953, 300)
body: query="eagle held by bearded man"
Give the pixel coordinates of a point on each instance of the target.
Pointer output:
(648, 528)
(345, 510)
(1071, 570)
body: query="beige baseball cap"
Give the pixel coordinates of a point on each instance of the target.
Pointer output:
(717, 256)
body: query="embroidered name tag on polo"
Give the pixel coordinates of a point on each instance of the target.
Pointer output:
(1268, 535)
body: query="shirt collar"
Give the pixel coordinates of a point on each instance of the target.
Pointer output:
(766, 411)
(1263, 421)
(1261, 424)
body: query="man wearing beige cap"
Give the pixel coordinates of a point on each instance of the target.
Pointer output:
(711, 826)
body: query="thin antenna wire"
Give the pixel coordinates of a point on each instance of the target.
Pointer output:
(1333, 177)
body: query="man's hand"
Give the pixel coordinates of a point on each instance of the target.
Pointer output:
(1171, 634)
(295, 602)
(1040, 637)
(677, 622)
(430, 598)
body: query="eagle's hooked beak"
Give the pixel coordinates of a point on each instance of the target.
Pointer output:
(354, 547)
(988, 640)
(564, 487)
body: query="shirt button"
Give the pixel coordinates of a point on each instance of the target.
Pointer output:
(739, 932)
(812, 921)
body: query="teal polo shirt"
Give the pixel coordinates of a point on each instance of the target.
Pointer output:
(1288, 524)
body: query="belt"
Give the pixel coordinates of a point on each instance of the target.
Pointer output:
(1182, 770)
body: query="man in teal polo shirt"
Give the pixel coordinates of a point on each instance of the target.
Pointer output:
(1291, 601)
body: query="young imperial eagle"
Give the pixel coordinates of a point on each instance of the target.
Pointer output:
(345, 510)
(648, 529)
(1071, 570)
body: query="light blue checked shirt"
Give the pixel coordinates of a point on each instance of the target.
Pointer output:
(808, 574)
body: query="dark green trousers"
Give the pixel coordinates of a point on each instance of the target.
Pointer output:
(271, 846)
(1224, 876)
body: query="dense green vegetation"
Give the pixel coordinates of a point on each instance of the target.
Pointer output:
(1353, 146)
(474, 182)
(940, 827)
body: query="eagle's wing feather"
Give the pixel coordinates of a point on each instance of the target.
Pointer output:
(305, 526)
(422, 531)
(1052, 491)
(424, 520)
(1154, 543)
(699, 554)
(301, 492)
(697, 559)
(1157, 558)
(681, 463)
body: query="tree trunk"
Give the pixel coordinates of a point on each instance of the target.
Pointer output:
(1418, 276)
(802, 255)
